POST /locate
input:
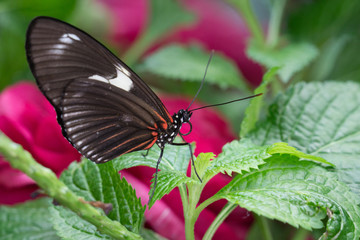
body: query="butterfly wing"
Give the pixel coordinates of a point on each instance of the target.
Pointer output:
(103, 107)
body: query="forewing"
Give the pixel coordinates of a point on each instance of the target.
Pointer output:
(103, 107)
(59, 53)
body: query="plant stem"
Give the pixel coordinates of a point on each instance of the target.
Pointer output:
(229, 207)
(191, 215)
(189, 218)
(275, 22)
(47, 180)
(136, 50)
(301, 234)
(203, 205)
(244, 7)
(185, 202)
(264, 226)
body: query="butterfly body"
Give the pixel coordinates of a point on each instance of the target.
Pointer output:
(167, 136)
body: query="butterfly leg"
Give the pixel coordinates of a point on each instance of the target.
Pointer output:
(147, 152)
(156, 172)
(192, 161)
(191, 154)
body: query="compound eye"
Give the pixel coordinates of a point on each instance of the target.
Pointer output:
(188, 132)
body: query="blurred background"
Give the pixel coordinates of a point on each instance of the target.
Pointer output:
(168, 44)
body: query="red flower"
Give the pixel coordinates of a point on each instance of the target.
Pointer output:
(28, 119)
(217, 27)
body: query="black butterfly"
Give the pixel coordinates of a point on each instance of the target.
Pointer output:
(104, 108)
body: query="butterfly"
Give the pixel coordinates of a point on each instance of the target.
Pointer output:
(103, 107)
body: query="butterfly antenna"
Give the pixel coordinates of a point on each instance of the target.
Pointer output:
(203, 80)
(219, 104)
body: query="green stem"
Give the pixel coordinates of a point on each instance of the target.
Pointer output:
(244, 7)
(301, 234)
(275, 22)
(190, 216)
(276, 86)
(184, 199)
(137, 49)
(203, 205)
(47, 180)
(264, 226)
(189, 230)
(218, 220)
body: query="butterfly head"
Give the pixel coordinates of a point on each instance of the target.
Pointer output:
(181, 117)
(185, 115)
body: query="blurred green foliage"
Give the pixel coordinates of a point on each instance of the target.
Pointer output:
(334, 27)
(15, 16)
(14, 19)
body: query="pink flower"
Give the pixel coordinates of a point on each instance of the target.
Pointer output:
(217, 27)
(28, 119)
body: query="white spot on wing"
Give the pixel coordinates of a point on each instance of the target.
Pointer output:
(126, 72)
(69, 38)
(99, 78)
(55, 51)
(60, 46)
(122, 80)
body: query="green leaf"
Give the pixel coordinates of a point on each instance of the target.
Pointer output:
(331, 31)
(320, 119)
(28, 220)
(291, 59)
(253, 110)
(284, 148)
(238, 156)
(14, 19)
(189, 63)
(150, 235)
(331, 57)
(202, 162)
(102, 183)
(174, 158)
(167, 181)
(337, 18)
(29, 10)
(70, 226)
(165, 16)
(300, 193)
(347, 65)
(243, 155)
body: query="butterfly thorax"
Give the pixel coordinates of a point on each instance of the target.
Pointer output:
(168, 135)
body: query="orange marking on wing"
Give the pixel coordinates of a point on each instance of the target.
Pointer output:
(131, 139)
(112, 136)
(150, 144)
(163, 123)
(152, 128)
(107, 126)
(152, 141)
